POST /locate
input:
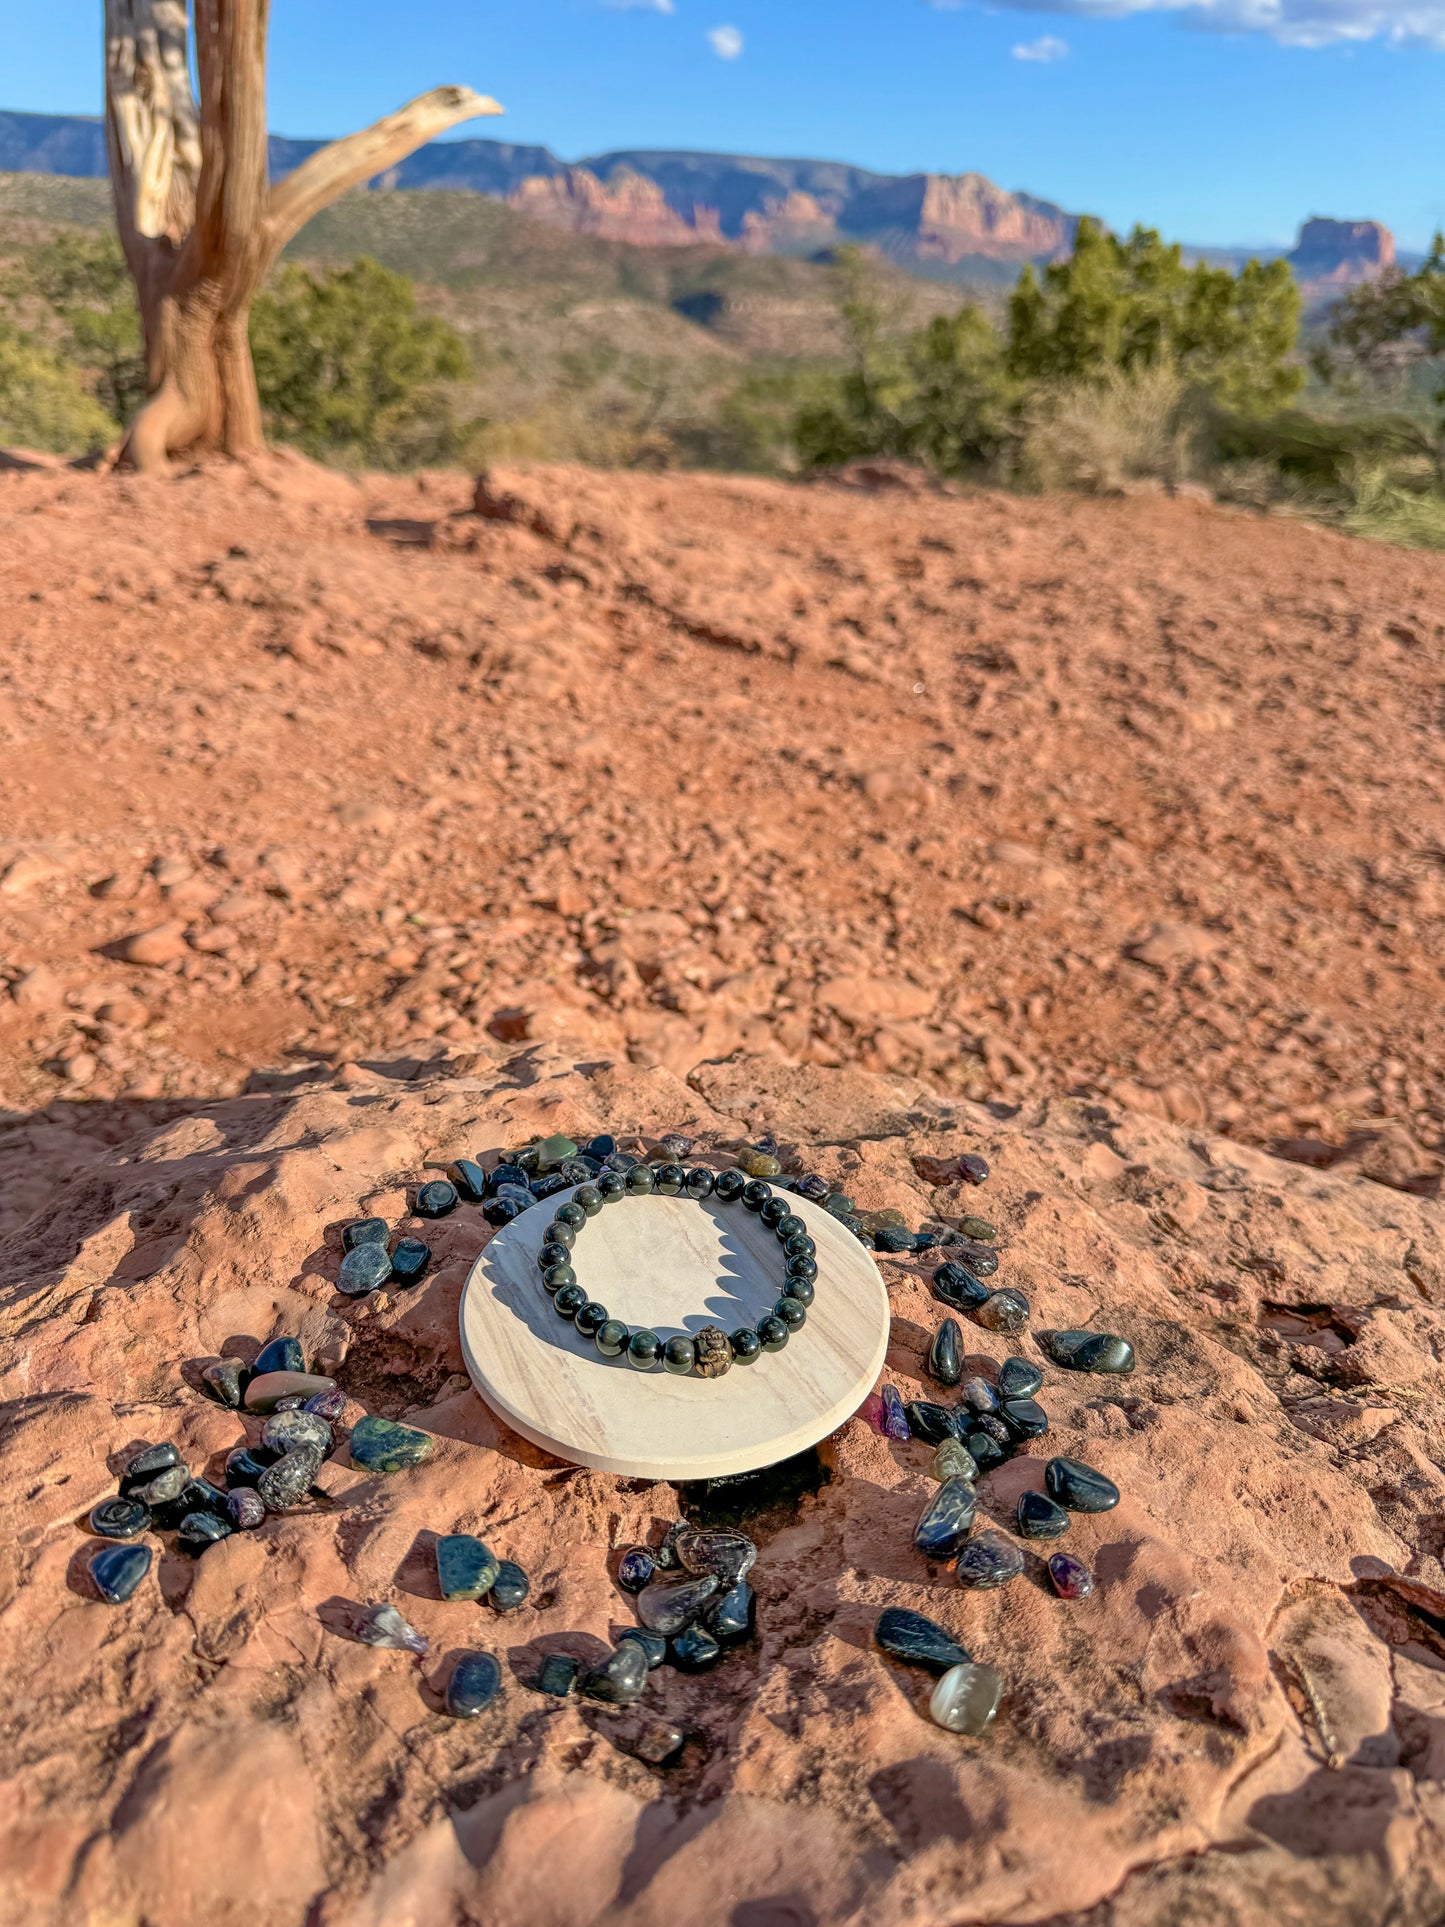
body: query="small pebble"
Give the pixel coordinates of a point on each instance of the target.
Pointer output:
(267, 1389)
(1019, 1378)
(1071, 1577)
(466, 1569)
(198, 1530)
(666, 1554)
(281, 1355)
(381, 1445)
(728, 1556)
(557, 1675)
(653, 1644)
(436, 1199)
(476, 1680)
(1003, 1311)
(1104, 1352)
(284, 1485)
(365, 1269)
(947, 1520)
(365, 1231)
(945, 1354)
(918, 1641)
(757, 1164)
(953, 1460)
(385, 1626)
(1039, 1518)
(892, 1238)
(119, 1518)
(966, 1699)
(694, 1649)
(1071, 1483)
(676, 1145)
(621, 1677)
(646, 1738)
(246, 1508)
(117, 1570)
(667, 1605)
(409, 1261)
(225, 1380)
(510, 1587)
(988, 1561)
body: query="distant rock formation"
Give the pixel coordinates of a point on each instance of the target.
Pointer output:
(627, 207)
(1340, 253)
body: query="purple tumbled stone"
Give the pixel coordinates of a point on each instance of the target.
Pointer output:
(1072, 1578)
(384, 1626)
(328, 1405)
(971, 1168)
(871, 1411)
(245, 1507)
(895, 1419)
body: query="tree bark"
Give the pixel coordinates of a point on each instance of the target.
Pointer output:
(198, 220)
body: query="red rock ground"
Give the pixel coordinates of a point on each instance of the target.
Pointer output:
(348, 829)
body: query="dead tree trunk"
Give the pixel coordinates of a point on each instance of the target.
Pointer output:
(200, 222)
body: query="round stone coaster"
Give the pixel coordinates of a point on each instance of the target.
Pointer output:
(674, 1265)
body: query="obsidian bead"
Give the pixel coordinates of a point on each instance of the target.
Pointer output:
(1079, 1487)
(772, 1333)
(510, 1587)
(746, 1346)
(365, 1231)
(116, 1571)
(589, 1197)
(560, 1232)
(572, 1214)
(611, 1186)
(569, 1300)
(679, 1355)
(800, 1246)
(729, 1186)
(929, 1422)
(799, 1289)
(774, 1211)
(557, 1675)
(119, 1518)
(635, 1568)
(591, 1318)
(668, 1179)
(409, 1261)
(945, 1354)
(1019, 1378)
(471, 1180)
(611, 1337)
(792, 1311)
(198, 1530)
(699, 1182)
(756, 1194)
(363, 1269)
(1039, 1518)
(653, 1644)
(640, 1181)
(946, 1520)
(644, 1351)
(988, 1561)
(148, 1465)
(508, 1173)
(956, 1285)
(694, 1649)
(987, 1452)
(1072, 1578)
(918, 1641)
(476, 1680)
(801, 1268)
(789, 1226)
(549, 1186)
(619, 1680)
(600, 1148)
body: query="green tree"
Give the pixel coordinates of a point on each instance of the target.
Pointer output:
(346, 366)
(1391, 331)
(1126, 305)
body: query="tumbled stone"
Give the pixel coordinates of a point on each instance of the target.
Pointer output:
(986, 1452)
(409, 1261)
(385, 1626)
(646, 1738)
(365, 1269)
(116, 1571)
(977, 1228)
(1039, 1518)
(895, 1416)
(268, 1388)
(635, 1568)
(694, 1649)
(988, 1561)
(838, 1204)
(364, 1231)
(994, 1428)
(198, 1530)
(929, 1422)
(284, 1485)
(757, 1164)
(1003, 1311)
(619, 1680)
(281, 1355)
(1024, 1417)
(917, 1641)
(244, 1467)
(1071, 1577)
(510, 1588)
(225, 1380)
(119, 1518)
(966, 1699)
(553, 1151)
(946, 1520)
(327, 1405)
(972, 1168)
(979, 1396)
(1019, 1378)
(1062, 1345)
(1071, 1483)
(666, 1553)
(507, 1173)
(201, 1496)
(953, 1460)
(891, 1238)
(945, 1354)
(728, 1556)
(730, 1615)
(475, 1681)
(506, 1206)
(957, 1286)
(436, 1199)
(291, 1431)
(381, 1445)
(470, 1179)
(811, 1186)
(149, 1464)
(164, 1487)
(714, 1352)
(466, 1569)
(653, 1644)
(667, 1605)
(246, 1507)
(1104, 1352)
(557, 1675)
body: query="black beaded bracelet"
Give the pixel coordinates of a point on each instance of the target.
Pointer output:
(712, 1352)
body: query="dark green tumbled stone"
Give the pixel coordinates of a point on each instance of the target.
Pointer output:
(364, 1231)
(918, 1641)
(1006, 1310)
(362, 1270)
(476, 1680)
(510, 1587)
(409, 1260)
(619, 1680)
(945, 1354)
(839, 1204)
(946, 1520)
(466, 1569)
(117, 1570)
(1079, 1487)
(281, 1355)
(667, 1605)
(694, 1649)
(892, 1237)
(1019, 1378)
(381, 1445)
(557, 1675)
(1039, 1518)
(119, 1518)
(553, 1151)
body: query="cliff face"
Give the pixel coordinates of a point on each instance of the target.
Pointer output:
(1340, 253)
(952, 216)
(624, 208)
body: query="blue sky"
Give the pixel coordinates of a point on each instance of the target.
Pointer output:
(1217, 120)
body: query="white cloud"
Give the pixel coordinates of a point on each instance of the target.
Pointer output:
(1297, 23)
(1043, 51)
(726, 42)
(649, 6)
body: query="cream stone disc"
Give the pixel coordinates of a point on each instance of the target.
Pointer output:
(675, 1265)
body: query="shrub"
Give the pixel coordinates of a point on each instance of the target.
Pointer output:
(1099, 434)
(43, 404)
